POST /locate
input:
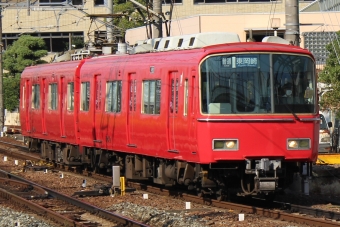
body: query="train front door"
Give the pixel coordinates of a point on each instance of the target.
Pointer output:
(173, 111)
(132, 109)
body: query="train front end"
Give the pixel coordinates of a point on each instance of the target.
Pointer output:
(258, 123)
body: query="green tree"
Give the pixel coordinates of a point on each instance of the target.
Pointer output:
(11, 87)
(330, 76)
(132, 18)
(26, 51)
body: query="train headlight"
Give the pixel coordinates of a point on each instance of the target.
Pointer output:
(225, 144)
(293, 144)
(230, 144)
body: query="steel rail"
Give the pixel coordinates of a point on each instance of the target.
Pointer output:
(273, 214)
(26, 204)
(286, 215)
(88, 207)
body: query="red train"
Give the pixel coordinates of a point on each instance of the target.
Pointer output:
(216, 118)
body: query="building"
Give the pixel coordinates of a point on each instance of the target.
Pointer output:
(319, 20)
(59, 22)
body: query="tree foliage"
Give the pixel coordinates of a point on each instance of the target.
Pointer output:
(11, 88)
(26, 51)
(132, 18)
(330, 76)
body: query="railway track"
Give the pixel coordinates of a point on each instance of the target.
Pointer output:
(278, 210)
(58, 202)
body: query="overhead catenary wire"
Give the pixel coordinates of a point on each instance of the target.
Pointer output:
(333, 45)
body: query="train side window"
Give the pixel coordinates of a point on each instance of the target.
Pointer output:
(85, 96)
(70, 96)
(52, 96)
(151, 97)
(113, 96)
(36, 96)
(186, 96)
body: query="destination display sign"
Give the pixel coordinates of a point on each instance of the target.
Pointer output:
(240, 61)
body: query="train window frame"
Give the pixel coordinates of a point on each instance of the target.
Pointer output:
(35, 96)
(151, 94)
(85, 96)
(249, 86)
(70, 96)
(53, 96)
(113, 96)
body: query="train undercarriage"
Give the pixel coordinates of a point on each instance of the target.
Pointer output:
(256, 177)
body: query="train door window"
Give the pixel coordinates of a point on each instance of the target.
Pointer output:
(70, 96)
(36, 96)
(174, 96)
(151, 96)
(186, 96)
(133, 90)
(52, 96)
(113, 96)
(23, 97)
(85, 96)
(98, 94)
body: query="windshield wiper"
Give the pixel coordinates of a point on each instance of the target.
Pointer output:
(294, 114)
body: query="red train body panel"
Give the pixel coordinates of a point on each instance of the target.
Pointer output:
(59, 123)
(154, 105)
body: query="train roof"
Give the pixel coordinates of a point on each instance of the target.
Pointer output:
(185, 42)
(66, 66)
(172, 47)
(205, 40)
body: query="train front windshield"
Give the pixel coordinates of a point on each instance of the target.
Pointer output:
(257, 83)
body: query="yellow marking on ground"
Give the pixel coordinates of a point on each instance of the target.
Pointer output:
(328, 159)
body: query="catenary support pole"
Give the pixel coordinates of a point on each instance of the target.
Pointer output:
(109, 28)
(158, 22)
(292, 33)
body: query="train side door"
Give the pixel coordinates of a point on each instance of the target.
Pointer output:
(131, 109)
(26, 104)
(62, 107)
(173, 111)
(43, 106)
(97, 134)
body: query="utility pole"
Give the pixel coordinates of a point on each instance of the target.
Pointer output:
(1, 77)
(292, 33)
(109, 29)
(293, 36)
(158, 22)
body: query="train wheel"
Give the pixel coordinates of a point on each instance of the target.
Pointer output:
(220, 195)
(270, 197)
(200, 193)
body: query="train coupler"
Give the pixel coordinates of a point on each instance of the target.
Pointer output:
(267, 184)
